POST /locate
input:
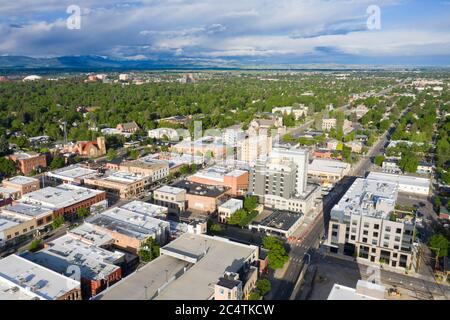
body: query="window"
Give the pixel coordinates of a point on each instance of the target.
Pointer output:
(365, 232)
(334, 233)
(375, 234)
(352, 237)
(399, 230)
(388, 229)
(376, 226)
(374, 250)
(366, 224)
(364, 240)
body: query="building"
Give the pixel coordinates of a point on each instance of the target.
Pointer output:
(355, 146)
(28, 162)
(12, 229)
(279, 223)
(328, 171)
(94, 267)
(323, 154)
(91, 149)
(21, 279)
(301, 111)
(202, 198)
(255, 146)
(300, 158)
(188, 268)
(233, 135)
(176, 160)
(132, 225)
(147, 166)
(129, 127)
(228, 208)
(22, 184)
(65, 199)
(124, 77)
(331, 123)
(236, 180)
(364, 291)
(365, 224)
(37, 217)
(174, 199)
(73, 174)
(360, 111)
(406, 184)
(125, 185)
(164, 134)
(9, 194)
(208, 147)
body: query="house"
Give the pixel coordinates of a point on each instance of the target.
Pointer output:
(129, 127)
(92, 149)
(28, 161)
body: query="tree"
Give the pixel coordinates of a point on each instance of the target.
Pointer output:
(111, 154)
(289, 120)
(277, 255)
(215, 228)
(7, 167)
(4, 146)
(379, 160)
(184, 170)
(58, 222)
(237, 217)
(250, 203)
(82, 213)
(57, 162)
(35, 245)
(133, 154)
(149, 250)
(408, 162)
(254, 295)
(439, 244)
(264, 286)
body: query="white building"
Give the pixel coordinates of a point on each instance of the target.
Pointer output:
(365, 224)
(163, 133)
(364, 291)
(228, 208)
(406, 184)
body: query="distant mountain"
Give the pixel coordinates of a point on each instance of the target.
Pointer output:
(94, 62)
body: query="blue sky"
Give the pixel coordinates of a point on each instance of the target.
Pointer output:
(251, 32)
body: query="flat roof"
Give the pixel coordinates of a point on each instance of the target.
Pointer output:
(61, 196)
(368, 198)
(72, 172)
(21, 180)
(232, 204)
(146, 208)
(278, 219)
(129, 223)
(46, 283)
(121, 177)
(88, 233)
(8, 190)
(399, 179)
(330, 166)
(29, 210)
(21, 155)
(340, 292)
(196, 283)
(9, 291)
(8, 222)
(201, 189)
(217, 173)
(94, 262)
(171, 190)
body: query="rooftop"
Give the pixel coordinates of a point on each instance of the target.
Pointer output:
(61, 196)
(232, 204)
(30, 210)
(132, 224)
(340, 292)
(94, 262)
(120, 177)
(206, 257)
(171, 190)
(282, 220)
(146, 208)
(200, 189)
(72, 172)
(89, 234)
(7, 222)
(369, 198)
(22, 155)
(21, 180)
(331, 166)
(43, 282)
(218, 173)
(399, 179)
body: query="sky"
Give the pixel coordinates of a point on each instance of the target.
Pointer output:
(250, 32)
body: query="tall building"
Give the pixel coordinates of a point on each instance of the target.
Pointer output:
(365, 224)
(300, 158)
(255, 146)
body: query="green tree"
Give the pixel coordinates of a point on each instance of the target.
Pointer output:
(149, 250)
(185, 170)
(111, 154)
(439, 244)
(35, 245)
(250, 203)
(57, 162)
(408, 162)
(237, 217)
(133, 154)
(254, 295)
(7, 167)
(379, 160)
(57, 222)
(264, 286)
(4, 146)
(82, 213)
(277, 255)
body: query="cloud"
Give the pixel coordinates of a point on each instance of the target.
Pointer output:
(207, 29)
